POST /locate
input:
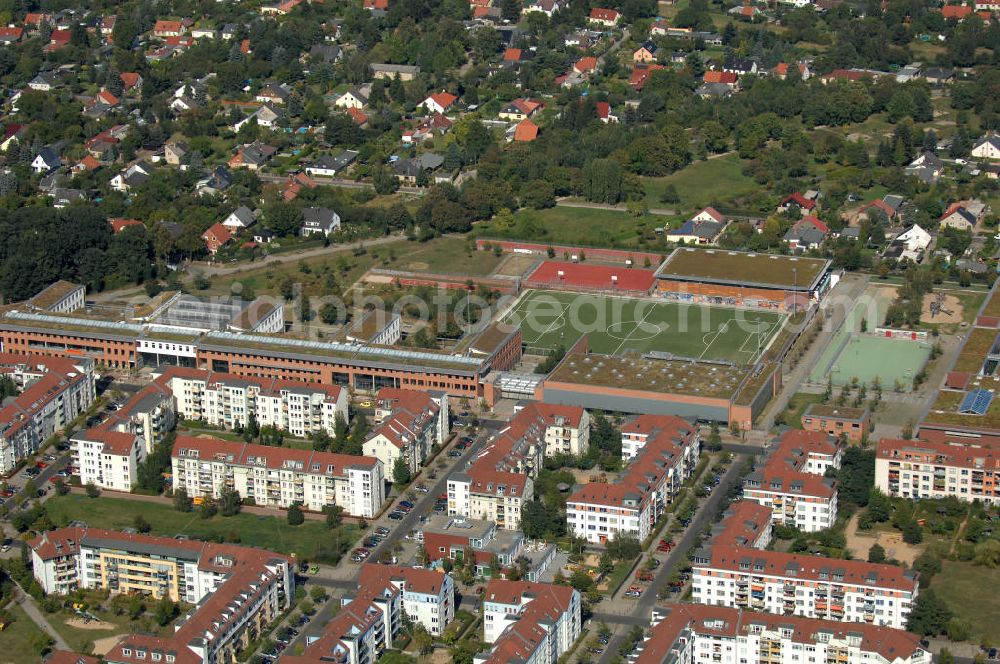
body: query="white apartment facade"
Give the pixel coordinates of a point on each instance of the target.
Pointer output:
(784, 583)
(365, 626)
(489, 495)
(662, 452)
(54, 392)
(428, 596)
(230, 401)
(408, 424)
(279, 477)
(792, 481)
(529, 622)
(964, 467)
(108, 459)
(692, 634)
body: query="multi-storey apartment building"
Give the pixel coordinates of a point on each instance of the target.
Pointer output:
(745, 523)
(695, 634)
(279, 476)
(108, 459)
(490, 495)
(428, 596)
(54, 391)
(662, 451)
(231, 401)
(940, 466)
(150, 414)
(237, 591)
(408, 424)
(790, 584)
(563, 429)
(454, 538)
(792, 483)
(529, 622)
(851, 423)
(365, 626)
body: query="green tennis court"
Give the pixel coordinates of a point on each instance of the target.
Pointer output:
(615, 325)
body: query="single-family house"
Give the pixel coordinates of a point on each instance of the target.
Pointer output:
(46, 160)
(927, 167)
(10, 35)
(520, 109)
(131, 81)
(240, 218)
(215, 183)
(216, 237)
(525, 131)
(174, 152)
(319, 220)
(605, 18)
(408, 170)
(45, 81)
(807, 233)
(908, 245)
(274, 93)
(797, 202)
(647, 52)
(585, 66)
(164, 28)
(353, 97)
(547, 7)
(329, 166)
(987, 148)
(963, 215)
(781, 70)
(134, 176)
(252, 157)
(439, 102)
(703, 228)
(727, 78)
(402, 72)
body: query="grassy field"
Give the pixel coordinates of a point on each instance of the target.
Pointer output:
(797, 406)
(713, 182)
(576, 226)
(614, 325)
(965, 588)
(19, 639)
(268, 532)
(331, 274)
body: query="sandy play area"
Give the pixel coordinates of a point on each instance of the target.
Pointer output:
(104, 646)
(895, 547)
(80, 623)
(949, 309)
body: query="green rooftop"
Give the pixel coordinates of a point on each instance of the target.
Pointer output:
(743, 268)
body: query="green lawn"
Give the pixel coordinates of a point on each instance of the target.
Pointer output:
(713, 182)
(445, 255)
(967, 590)
(20, 638)
(268, 532)
(615, 325)
(797, 406)
(575, 226)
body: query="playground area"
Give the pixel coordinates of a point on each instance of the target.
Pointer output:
(617, 325)
(895, 548)
(941, 308)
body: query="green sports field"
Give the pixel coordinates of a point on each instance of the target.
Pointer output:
(615, 325)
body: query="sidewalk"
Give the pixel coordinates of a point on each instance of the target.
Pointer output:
(27, 602)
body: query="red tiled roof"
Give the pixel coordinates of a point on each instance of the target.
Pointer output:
(586, 64)
(744, 521)
(512, 55)
(130, 79)
(956, 11)
(727, 77)
(525, 131)
(799, 200)
(67, 657)
(981, 453)
(264, 456)
(424, 581)
(444, 99)
(599, 14)
(119, 224)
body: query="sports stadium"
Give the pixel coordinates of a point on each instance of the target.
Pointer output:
(702, 335)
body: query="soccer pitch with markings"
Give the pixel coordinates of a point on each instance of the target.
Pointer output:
(616, 325)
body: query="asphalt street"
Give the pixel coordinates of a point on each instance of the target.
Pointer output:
(643, 607)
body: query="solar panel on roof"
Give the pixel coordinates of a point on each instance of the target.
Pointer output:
(976, 402)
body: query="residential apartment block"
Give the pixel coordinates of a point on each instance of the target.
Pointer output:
(694, 634)
(529, 622)
(54, 391)
(564, 429)
(792, 483)
(801, 585)
(230, 401)
(149, 414)
(428, 596)
(108, 459)
(365, 626)
(236, 591)
(746, 523)
(490, 495)
(938, 466)
(408, 424)
(662, 451)
(279, 476)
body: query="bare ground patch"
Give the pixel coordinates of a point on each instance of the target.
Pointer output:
(895, 547)
(80, 623)
(941, 308)
(104, 646)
